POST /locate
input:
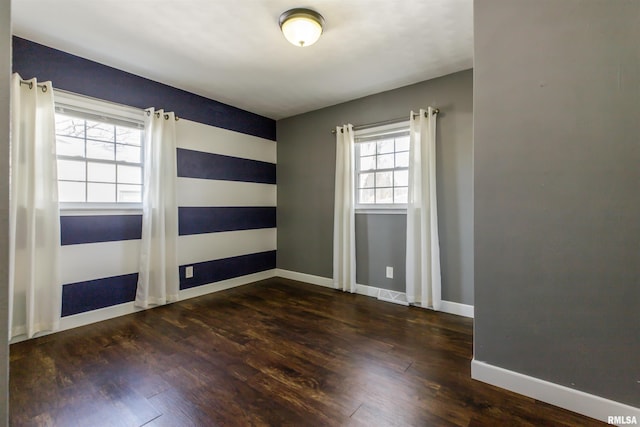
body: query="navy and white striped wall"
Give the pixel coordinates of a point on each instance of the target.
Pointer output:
(227, 203)
(79, 75)
(226, 188)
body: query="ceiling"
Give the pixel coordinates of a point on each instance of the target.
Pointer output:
(233, 51)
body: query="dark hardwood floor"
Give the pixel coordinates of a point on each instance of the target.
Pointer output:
(275, 353)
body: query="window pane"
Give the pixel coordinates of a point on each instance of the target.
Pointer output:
(402, 160)
(100, 131)
(129, 193)
(384, 195)
(400, 195)
(101, 172)
(385, 146)
(100, 150)
(127, 135)
(71, 126)
(129, 174)
(367, 163)
(402, 143)
(101, 192)
(367, 180)
(68, 146)
(400, 178)
(127, 153)
(384, 179)
(103, 144)
(366, 196)
(385, 161)
(71, 170)
(71, 191)
(367, 148)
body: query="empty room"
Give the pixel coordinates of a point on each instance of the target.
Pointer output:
(321, 213)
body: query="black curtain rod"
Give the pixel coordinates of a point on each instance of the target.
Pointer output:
(387, 122)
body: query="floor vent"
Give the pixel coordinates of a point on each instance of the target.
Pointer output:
(393, 296)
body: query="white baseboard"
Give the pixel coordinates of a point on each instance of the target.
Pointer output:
(555, 394)
(86, 318)
(371, 291)
(303, 277)
(93, 316)
(457, 308)
(226, 284)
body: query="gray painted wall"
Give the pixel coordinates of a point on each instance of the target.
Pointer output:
(5, 73)
(380, 242)
(557, 192)
(306, 168)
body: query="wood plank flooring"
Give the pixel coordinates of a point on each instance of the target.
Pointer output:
(273, 353)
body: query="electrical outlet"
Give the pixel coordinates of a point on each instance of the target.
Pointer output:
(389, 272)
(188, 272)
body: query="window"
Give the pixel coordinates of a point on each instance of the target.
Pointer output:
(382, 166)
(99, 149)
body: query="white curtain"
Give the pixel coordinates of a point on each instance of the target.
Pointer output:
(423, 246)
(35, 287)
(344, 234)
(158, 280)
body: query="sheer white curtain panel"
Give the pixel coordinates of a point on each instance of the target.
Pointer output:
(344, 235)
(423, 279)
(35, 288)
(158, 279)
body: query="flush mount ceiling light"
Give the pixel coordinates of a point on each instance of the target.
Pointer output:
(302, 27)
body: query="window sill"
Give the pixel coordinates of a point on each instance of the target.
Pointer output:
(77, 209)
(381, 211)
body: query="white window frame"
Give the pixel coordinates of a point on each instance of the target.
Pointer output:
(64, 100)
(368, 133)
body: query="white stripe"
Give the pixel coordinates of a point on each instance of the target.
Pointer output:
(210, 139)
(211, 246)
(574, 400)
(207, 192)
(89, 261)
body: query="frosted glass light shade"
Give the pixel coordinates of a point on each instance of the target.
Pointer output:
(301, 27)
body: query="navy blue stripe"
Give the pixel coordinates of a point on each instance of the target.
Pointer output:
(198, 164)
(227, 268)
(99, 228)
(199, 220)
(79, 75)
(94, 294)
(91, 295)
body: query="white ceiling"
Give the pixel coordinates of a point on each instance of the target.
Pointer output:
(233, 51)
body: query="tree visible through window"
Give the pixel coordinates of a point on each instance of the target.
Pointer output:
(99, 159)
(382, 167)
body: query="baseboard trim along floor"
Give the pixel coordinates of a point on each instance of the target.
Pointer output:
(372, 291)
(602, 409)
(93, 316)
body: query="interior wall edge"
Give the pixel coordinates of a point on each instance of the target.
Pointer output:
(5, 67)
